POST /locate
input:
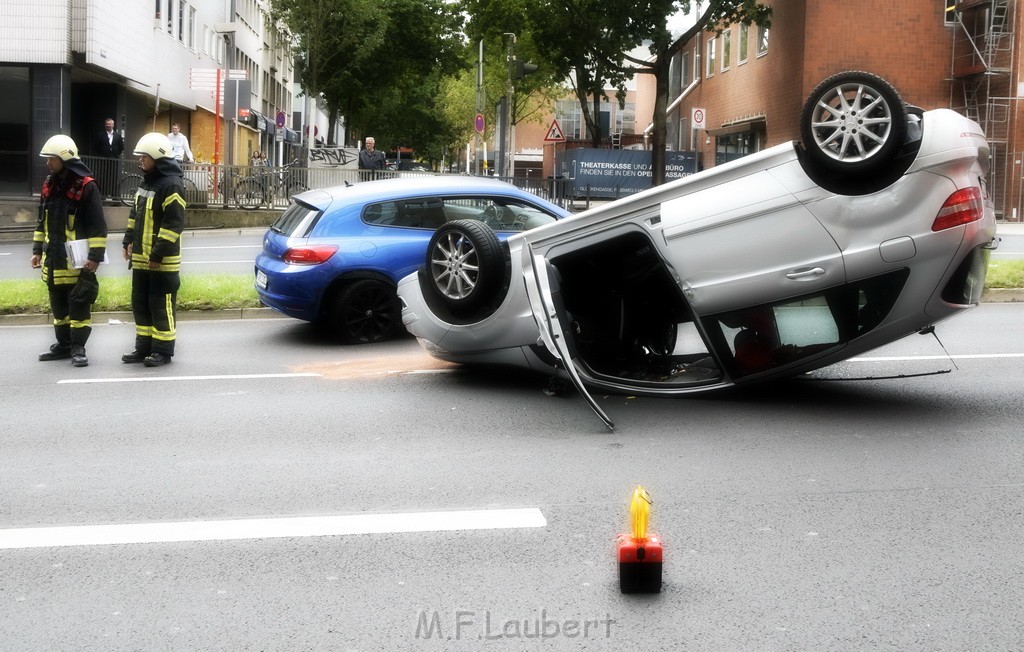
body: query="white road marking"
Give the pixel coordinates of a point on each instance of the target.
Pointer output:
(252, 246)
(216, 262)
(271, 528)
(155, 379)
(976, 356)
(5, 253)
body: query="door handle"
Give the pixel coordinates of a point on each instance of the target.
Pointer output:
(805, 273)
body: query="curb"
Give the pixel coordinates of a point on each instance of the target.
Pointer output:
(45, 319)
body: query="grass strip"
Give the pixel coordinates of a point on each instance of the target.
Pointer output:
(198, 292)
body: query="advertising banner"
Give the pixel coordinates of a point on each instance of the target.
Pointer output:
(612, 173)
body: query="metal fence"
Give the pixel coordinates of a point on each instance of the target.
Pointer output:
(256, 187)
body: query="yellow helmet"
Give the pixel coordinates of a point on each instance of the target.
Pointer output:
(60, 146)
(155, 144)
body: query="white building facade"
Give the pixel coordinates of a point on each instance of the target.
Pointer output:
(67, 65)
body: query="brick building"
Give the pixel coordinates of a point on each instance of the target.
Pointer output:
(751, 82)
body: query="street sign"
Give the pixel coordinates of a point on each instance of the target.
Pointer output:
(479, 123)
(698, 118)
(555, 134)
(281, 117)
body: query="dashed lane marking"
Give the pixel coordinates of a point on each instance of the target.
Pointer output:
(270, 528)
(157, 379)
(976, 356)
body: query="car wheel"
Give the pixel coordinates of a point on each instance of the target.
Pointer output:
(365, 311)
(465, 263)
(853, 122)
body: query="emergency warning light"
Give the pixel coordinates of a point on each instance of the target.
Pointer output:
(640, 554)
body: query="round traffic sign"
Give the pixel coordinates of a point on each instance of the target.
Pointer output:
(281, 117)
(478, 124)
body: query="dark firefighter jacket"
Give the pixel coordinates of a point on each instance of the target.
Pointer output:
(157, 218)
(70, 208)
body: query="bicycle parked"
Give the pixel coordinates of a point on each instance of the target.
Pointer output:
(128, 187)
(266, 186)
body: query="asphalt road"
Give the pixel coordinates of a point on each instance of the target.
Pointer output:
(827, 513)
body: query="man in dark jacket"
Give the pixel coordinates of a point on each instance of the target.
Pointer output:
(152, 245)
(371, 159)
(70, 210)
(110, 145)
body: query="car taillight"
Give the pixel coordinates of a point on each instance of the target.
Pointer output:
(312, 255)
(963, 206)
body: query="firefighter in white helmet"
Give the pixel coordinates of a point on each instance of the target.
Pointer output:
(152, 245)
(70, 209)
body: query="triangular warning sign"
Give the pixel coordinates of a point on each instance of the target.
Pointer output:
(555, 133)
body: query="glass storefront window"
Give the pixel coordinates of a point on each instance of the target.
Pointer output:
(14, 129)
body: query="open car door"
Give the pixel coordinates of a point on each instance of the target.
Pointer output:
(542, 286)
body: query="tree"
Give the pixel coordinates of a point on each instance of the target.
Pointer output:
(649, 24)
(333, 40)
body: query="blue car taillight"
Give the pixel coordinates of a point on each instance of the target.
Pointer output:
(311, 255)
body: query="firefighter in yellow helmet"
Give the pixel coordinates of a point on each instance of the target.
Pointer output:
(152, 245)
(70, 209)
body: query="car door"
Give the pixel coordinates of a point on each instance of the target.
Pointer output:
(549, 311)
(747, 241)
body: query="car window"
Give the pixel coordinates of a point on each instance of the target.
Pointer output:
(499, 213)
(296, 221)
(768, 336)
(417, 213)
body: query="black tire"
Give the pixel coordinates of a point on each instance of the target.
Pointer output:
(853, 122)
(249, 194)
(465, 264)
(127, 188)
(365, 311)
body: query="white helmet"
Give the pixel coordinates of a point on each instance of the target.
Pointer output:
(155, 144)
(60, 146)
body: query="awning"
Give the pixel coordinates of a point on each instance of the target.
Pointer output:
(292, 136)
(751, 123)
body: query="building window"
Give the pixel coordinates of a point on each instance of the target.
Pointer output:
(569, 118)
(762, 40)
(169, 8)
(726, 49)
(181, 21)
(192, 28)
(949, 17)
(157, 15)
(710, 68)
(744, 30)
(685, 68)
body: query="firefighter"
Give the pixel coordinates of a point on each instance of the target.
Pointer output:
(152, 247)
(70, 209)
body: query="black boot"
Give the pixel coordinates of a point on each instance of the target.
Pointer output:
(57, 351)
(156, 360)
(133, 357)
(78, 357)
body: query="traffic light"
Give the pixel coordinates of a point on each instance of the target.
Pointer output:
(521, 69)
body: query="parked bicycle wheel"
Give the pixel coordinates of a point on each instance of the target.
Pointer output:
(127, 188)
(249, 194)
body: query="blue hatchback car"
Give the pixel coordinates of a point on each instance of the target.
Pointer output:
(335, 256)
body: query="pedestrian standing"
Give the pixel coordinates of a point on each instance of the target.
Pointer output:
(109, 145)
(70, 209)
(179, 144)
(370, 159)
(152, 245)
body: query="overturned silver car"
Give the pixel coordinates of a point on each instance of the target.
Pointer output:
(876, 225)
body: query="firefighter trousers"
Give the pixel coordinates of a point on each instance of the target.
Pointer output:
(72, 321)
(154, 301)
